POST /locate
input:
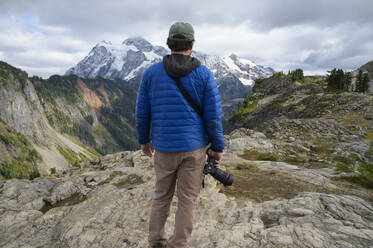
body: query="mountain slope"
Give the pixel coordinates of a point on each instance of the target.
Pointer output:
(18, 158)
(66, 119)
(312, 126)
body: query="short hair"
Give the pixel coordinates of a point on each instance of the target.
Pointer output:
(179, 45)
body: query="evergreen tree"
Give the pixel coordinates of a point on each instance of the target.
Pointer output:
(297, 75)
(347, 81)
(240, 108)
(338, 79)
(365, 83)
(362, 82)
(359, 81)
(246, 100)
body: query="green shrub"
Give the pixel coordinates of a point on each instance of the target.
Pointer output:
(366, 167)
(295, 160)
(278, 74)
(267, 157)
(343, 167)
(71, 156)
(24, 161)
(366, 170)
(17, 168)
(254, 155)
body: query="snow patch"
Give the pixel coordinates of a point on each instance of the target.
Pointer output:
(247, 62)
(246, 81)
(230, 63)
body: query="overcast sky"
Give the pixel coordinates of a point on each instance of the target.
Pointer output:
(45, 37)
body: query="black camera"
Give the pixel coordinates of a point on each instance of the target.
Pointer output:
(224, 177)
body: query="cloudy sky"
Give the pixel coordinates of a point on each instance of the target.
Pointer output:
(47, 37)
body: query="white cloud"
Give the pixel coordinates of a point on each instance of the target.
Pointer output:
(51, 36)
(40, 50)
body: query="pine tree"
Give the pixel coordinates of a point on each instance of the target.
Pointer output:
(332, 79)
(297, 75)
(240, 108)
(359, 81)
(365, 83)
(338, 79)
(246, 100)
(346, 81)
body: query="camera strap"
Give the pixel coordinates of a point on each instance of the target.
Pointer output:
(188, 97)
(192, 103)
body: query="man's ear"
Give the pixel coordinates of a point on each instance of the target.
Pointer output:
(191, 47)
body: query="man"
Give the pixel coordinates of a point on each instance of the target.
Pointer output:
(178, 134)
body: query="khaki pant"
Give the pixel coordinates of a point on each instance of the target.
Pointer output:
(185, 168)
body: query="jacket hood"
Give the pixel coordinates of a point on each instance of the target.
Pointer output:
(179, 65)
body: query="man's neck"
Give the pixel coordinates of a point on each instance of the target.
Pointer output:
(182, 52)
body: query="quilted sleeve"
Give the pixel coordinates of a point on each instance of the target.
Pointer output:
(143, 113)
(213, 114)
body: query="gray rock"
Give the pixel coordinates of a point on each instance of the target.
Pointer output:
(247, 139)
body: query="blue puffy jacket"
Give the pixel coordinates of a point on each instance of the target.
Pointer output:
(163, 111)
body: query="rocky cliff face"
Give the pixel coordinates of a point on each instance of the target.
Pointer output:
(106, 203)
(20, 108)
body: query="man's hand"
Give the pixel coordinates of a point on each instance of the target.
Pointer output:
(148, 149)
(217, 156)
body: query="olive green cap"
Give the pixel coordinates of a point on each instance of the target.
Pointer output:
(181, 31)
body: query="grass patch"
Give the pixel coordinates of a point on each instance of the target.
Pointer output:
(343, 160)
(93, 152)
(72, 157)
(254, 155)
(19, 168)
(369, 137)
(366, 171)
(353, 118)
(278, 105)
(360, 181)
(24, 158)
(343, 168)
(294, 160)
(322, 148)
(243, 110)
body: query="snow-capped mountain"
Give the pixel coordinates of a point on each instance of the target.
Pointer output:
(234, 76)
(124, 61)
